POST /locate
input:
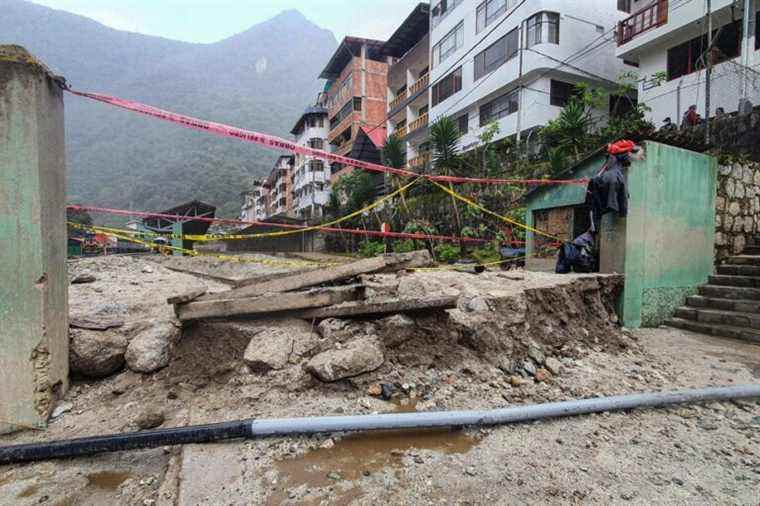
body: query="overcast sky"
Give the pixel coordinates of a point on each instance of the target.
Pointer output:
(213, 20)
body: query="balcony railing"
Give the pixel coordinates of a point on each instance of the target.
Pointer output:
(419, 85)
(418, 162)
(646, 19)
(401, 132)
(393, 104)
(420, 122)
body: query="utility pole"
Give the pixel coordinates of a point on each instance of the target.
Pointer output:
(520, 88)
(708, 73)
(745, 51)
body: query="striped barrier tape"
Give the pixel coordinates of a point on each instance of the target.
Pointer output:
(278, 143)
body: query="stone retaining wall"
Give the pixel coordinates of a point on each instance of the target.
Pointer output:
(737, 208)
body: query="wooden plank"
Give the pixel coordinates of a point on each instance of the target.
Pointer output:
(187, 297)
(361, 309)
(267, 305)
(385, 263)
(87, 324)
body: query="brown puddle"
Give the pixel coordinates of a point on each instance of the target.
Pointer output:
(359, 454)
(107, 480)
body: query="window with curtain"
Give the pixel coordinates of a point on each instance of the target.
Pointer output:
(447, 86)
(448, 44)
(500, 107)
(497, 54)
(542, 28)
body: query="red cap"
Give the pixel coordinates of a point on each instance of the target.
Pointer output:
(621, 147)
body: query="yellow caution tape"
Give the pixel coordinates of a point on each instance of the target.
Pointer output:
(474, 204)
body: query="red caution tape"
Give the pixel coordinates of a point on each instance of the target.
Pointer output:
(350, 231)
(279, 143)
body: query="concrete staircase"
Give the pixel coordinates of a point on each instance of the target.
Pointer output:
(729, 305)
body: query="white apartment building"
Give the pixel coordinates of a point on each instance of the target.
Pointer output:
(311, 176)
(501, 60)
(668, 39)
(255, 203)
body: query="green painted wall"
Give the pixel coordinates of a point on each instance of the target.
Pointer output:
(670, 231)
(33, 282)
(668, 236)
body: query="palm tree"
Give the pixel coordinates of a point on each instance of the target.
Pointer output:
(394, 155)
(444, 136)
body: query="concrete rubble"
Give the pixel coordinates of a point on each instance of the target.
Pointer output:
(484, 341)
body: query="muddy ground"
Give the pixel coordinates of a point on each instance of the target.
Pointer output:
(689, 455)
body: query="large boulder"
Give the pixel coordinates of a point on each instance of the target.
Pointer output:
(149, 350)
(96, 354)
(276, 345)
(357, 357)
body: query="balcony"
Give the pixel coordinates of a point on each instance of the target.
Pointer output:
(644, 20)
(396, 102)
(401, 132)
(419, 85)
(420, 122)
(418, 162)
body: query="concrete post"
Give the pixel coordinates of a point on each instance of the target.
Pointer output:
(34, 355)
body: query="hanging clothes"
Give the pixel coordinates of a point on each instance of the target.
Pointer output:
(607, 192)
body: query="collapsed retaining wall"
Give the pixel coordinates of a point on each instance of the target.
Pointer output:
(737, 208)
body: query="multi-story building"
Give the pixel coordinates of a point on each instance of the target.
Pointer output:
(408, 79)
(357, 77)
(668, 40)
(281, 182)
(311, 176)
(518, 62)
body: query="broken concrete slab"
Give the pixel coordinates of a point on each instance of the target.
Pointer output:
(265, 305)
(358, 357)
(361, 309)
(386, 263)
(187, 297)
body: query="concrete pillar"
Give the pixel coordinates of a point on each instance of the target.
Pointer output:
(34, 343)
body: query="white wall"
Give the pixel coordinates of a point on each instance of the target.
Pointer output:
(672, 98)
(581, 23)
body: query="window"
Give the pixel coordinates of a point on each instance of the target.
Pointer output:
(448, 44)
(689, 57)
(624, 6)
(489, 10)
(463, 124)
(357, 103)
(631, 63)
(316, 121)
(543, 28)
(342, 92)
(757, 30)
(316, 165)
(442, 8)
(447, 86)
(497, 54)
(500, 107)
(343, 113)
(316, 143)
(561, 93)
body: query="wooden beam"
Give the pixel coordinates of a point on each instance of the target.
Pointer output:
(361, 309)
(385, 263)
(261, 306)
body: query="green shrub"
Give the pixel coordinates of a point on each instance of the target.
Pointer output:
(447, 253)
(406, 246)
(371, 248)
(487, 254)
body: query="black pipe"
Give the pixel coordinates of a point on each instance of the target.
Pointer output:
(131, 441)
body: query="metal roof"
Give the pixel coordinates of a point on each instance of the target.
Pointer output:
(411, 31)
(349, 48)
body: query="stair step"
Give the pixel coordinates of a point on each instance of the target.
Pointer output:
(744, 260)
(745, 281)
(720, 317)
(716, 330)
(739, 270)
(742, 306)
(729, 292)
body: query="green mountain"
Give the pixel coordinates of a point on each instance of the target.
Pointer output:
(260, 79)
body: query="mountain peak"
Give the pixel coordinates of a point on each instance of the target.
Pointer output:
(290, 15)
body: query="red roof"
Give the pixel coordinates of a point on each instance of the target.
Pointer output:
(376, 135)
